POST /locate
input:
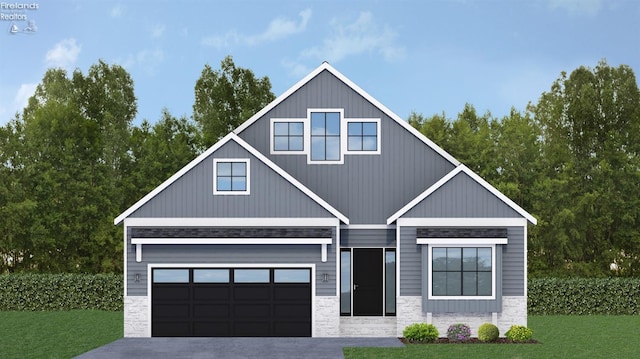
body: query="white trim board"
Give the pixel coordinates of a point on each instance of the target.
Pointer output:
(231, 136)
(461, 241)
(462, 222)
(323, 242)
(325, 66)
(464, 169)
(231, 222)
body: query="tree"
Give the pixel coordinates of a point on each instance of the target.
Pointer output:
(227, 97)
(161, 150)
(589, 197)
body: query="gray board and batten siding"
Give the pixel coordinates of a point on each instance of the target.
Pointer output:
(230, 255)
(366, 188)
(462, 197)
(191, 196)
(367, 238)
(510, 273)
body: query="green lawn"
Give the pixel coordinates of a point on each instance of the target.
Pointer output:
(560, 336)
(56, 334)
(67, 334)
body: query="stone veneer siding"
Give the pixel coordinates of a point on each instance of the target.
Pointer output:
(514, 311)
(136, 317)
(327, 317)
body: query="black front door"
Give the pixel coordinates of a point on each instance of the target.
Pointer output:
(367, 281)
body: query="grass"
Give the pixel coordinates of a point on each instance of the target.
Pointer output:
(560, 336)
(67, 334)
(63, 334)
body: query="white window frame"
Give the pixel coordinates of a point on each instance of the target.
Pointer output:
(364, 152)
(430, 248)
(344, 136)
(215, 176)
(305, 126)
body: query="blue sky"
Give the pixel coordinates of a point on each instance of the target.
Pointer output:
(424, 56)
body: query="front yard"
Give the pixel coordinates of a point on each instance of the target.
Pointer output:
(66, 334)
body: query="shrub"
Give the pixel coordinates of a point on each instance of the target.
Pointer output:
(519, 333)
(421, 332)
(488, 332)
(584, 296)
(459, 332)
(48, 292)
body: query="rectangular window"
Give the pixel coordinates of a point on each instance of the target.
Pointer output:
(291, 276)
(362, 136)
(231, 176)
(325, 136)
(461, 271)
(288, 136)
(251, 276)
(211, 276)
(345, 282)
(170, 276)
(390, 282)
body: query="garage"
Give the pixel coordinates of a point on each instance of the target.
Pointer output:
(231, 302)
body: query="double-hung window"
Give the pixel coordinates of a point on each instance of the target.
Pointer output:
(231, 176)
(462, 271)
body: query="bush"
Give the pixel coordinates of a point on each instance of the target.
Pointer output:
(421, 332)
(459, 332)
(519, 333)
(488, 332)
(584, 296)
(48, 292)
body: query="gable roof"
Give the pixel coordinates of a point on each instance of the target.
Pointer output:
(231, 137)
(461, 169)
(326, 67)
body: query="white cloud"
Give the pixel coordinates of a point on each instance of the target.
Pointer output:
(157, 31)
(363, 35)
(578, 7)
(116, 11)
(278, 29)
(64, 54)
(147, 59)
(22, 96)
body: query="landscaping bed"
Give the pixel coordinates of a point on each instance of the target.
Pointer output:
(445, 340)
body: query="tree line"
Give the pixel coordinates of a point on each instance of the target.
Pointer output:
(74, 159)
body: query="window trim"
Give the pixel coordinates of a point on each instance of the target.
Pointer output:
(272, 148)
(215, 176)
(362, 152)
(453, 244)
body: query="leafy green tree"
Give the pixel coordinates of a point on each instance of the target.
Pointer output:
(227, 97)
(589, 196)
(161, 150)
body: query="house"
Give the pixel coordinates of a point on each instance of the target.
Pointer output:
(324, 214)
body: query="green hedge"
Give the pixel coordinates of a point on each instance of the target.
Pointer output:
(584, 296)
(40, 292)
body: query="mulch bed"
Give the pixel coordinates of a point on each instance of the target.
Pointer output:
(470, 341)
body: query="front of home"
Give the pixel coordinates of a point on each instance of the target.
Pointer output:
(324, 214)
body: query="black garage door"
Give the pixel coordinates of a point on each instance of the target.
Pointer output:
(238, 302)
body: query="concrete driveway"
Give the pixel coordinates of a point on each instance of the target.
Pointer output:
(264, 348)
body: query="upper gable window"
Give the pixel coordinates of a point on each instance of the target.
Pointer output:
(287, 136)
(362, 136)
(231, 176)
(325, 136)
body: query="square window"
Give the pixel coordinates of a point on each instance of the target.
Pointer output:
(287, 136)
(362, 136)
(231, 176)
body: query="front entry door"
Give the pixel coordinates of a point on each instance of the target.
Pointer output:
(367, 281)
